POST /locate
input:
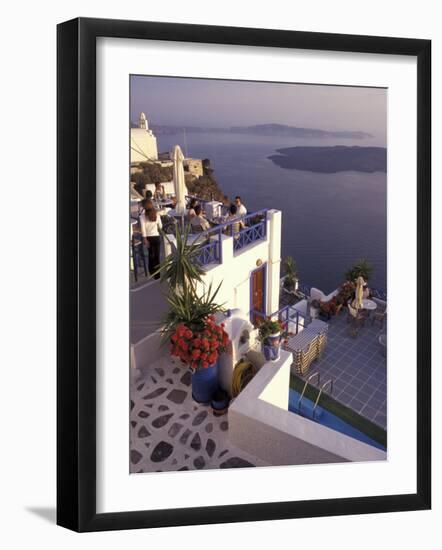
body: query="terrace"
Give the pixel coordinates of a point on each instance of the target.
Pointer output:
(357, 366)
(170, 431)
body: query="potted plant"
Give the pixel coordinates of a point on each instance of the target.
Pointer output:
(291, 275)
(362, 268)
(220, 402)
(190, 326)
(197, 339)
(269, 334)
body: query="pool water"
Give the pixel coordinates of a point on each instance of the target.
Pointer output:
(326, 418)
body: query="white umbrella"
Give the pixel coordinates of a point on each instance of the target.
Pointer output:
(178, 179)
(359, 293)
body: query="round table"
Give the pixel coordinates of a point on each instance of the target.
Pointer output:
(370, 305)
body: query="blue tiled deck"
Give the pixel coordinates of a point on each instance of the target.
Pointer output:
(357, 367)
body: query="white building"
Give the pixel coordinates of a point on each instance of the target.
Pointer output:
(248, 267)
(143, 143)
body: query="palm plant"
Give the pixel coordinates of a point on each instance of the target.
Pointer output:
(181, 268)
(190, 309)
(291, 273)
(362, 268)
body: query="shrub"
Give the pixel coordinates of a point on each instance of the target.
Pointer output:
(362, 268)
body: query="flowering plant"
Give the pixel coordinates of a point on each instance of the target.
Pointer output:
(199, 348)
(267, 328)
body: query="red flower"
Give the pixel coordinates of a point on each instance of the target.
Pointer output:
(204, 356)
(197, 343)
(196, 353)
(205, 364)
(174, 338)
(213, 357)
(205, 343)
(188, 334)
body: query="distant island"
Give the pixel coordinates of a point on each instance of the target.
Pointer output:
(329, 160)
(260, 129)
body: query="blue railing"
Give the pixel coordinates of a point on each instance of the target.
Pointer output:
(287, 314)
(375, 292)
(212, 251)
(304, 290)
(251, 234)
(290, 314)
(378, 293)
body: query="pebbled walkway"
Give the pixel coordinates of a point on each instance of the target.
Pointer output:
(170, 432)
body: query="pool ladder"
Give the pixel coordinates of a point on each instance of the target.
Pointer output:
(324, 385)
(305, 387)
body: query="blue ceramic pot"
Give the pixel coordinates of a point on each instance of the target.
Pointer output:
(220, 402)
(271, 347)
(205, 383)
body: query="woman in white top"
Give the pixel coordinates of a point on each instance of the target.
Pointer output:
(150, 230)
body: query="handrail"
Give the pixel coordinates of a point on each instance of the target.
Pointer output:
(324, 385)
(222, 226)
(305, 387)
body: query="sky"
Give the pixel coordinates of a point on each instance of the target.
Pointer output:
(224, 103)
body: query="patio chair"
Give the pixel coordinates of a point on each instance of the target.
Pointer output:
(379, 317)
(316, 294)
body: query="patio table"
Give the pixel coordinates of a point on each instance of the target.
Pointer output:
(369, 304)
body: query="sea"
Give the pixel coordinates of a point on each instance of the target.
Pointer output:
(329, 221)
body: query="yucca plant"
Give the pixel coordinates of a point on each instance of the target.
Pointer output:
(181, 268)
(362, 268)
(190, 309)
(291, 273)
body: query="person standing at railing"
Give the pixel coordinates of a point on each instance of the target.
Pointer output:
(233, 217)
(241, 209)
(150, 230)
(160, 193)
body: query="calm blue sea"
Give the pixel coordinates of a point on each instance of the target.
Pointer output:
(328, 220)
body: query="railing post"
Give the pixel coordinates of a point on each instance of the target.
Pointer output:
(220, 245)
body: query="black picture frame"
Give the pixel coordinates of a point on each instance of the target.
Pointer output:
(76, 274)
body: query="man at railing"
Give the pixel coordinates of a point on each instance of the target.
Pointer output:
(235, 227)
(241, 209)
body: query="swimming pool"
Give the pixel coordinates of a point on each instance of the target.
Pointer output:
(326, 418)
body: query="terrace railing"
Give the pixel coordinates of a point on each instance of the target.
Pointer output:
(375, 292)
(210, 252)
(287, 314)
(255, 230)
(378, 293)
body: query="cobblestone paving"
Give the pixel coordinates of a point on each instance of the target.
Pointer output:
(170, 432)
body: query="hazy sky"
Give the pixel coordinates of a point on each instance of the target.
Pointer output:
(221, 103)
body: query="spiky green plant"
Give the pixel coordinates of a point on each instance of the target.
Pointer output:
(362, 268)
(291, 273)
(181, 268)
(190, 309)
